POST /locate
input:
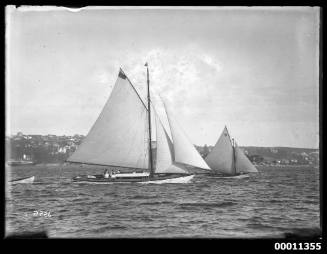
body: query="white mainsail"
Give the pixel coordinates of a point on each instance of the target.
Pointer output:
(184, 150)
(119, 135)
(243, 164)
(228, 159)
(165, 151)
(221, 156)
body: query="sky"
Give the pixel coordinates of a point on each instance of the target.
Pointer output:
(253, 69)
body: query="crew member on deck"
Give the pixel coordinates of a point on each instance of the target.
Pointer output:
(106, 173)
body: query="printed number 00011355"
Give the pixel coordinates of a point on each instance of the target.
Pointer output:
(297, 246)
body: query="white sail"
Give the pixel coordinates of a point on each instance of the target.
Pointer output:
(165, 151)
(164, 148)
(119, 137)
(184, 150)
(176, 168)
(243, 164)
(221, 156)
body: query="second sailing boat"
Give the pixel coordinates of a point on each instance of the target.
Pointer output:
(121, 137)
(227, 160)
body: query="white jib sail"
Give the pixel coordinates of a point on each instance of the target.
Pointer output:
(184, 150)
(165, 153)
(221, 156)
(243, 164)
(119, 137)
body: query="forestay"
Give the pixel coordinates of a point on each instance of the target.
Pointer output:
(119, 135)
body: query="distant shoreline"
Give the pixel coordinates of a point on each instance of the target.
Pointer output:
(289, 166)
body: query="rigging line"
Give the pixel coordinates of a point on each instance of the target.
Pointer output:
(145, 143)
(134, 88)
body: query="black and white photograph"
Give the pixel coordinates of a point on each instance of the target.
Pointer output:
(163, 122)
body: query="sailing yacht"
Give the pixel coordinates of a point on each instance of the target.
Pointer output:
(227, 160)
(121, 138)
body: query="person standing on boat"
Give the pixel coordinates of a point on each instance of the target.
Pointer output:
(106, 173)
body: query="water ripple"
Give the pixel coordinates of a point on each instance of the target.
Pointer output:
(273, 203)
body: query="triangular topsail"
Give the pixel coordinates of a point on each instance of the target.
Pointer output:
(243, 164)
(184, 150)
(221, 156)
(119, 135)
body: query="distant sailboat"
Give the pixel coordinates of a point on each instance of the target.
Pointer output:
(228, 160)
(121, 137)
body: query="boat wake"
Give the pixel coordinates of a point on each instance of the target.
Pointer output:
(184, 179)
(232, 177)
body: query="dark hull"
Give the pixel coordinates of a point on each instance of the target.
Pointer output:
(159, 178)
(228, 176)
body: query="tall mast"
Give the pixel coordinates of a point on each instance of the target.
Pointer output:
(149, 118)
(234, 158)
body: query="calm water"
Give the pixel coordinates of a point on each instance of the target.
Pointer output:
(275, 201)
